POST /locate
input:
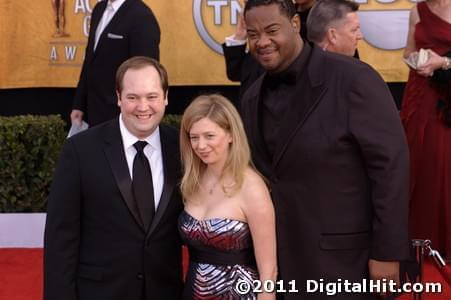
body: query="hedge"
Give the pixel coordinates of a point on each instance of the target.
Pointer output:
(29, 150)
(172, 120)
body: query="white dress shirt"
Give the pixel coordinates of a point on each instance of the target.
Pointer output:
(231, 41)
(110, 10)
(152, 152)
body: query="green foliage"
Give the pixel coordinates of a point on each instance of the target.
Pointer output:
(29, 149)
(172, 120)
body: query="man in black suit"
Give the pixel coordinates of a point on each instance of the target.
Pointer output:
(111, 230)
(325, 131)
(119, 29)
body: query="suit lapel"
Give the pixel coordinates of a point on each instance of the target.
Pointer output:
(118, 17)
(311, 88)
(170, 163)
(114, 151)
(254, 118)
(94, 24)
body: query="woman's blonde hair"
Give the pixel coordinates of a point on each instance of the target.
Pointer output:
(221, 111)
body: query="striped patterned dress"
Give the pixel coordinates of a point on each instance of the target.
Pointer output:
(221, 256)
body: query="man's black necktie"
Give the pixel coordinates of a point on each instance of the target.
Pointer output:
(143, 185)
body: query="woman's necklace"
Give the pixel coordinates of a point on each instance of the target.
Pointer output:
(212, 188)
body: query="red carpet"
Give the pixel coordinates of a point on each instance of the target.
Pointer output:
(21, 276)
(432, 274)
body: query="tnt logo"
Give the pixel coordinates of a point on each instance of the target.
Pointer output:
(214, 19)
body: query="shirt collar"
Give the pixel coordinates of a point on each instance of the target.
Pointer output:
(116, 4)
(128, 139)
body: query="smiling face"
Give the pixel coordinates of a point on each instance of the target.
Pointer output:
(142, 101)
(273, 37)
(210, 142)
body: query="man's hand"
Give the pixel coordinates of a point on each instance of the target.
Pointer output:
(241, 31)
(76, 116)
(384, 269)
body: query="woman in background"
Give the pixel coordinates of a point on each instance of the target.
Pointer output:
(228, 222)
(426, 115)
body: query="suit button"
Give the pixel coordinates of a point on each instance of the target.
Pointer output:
(140, 276)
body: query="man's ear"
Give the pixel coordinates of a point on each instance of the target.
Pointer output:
(166, 102)
(331, 35)
(296, 23)
(118, 98)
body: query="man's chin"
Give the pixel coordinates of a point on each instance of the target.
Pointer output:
(145, 130)
(268, 65)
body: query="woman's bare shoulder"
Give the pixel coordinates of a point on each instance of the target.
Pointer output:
(254, 187)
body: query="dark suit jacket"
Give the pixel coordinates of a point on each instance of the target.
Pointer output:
(241, 66)
(339, 176)
(95, 247)
(135, 22)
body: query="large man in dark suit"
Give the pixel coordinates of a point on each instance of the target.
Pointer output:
(119, 29)
(110, 232)
(325, 131)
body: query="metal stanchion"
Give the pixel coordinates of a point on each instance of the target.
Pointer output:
(419, 246)
(422, 248)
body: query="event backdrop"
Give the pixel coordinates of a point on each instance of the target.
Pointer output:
(32, 54)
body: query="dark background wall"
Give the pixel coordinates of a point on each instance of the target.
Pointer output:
(45, 101)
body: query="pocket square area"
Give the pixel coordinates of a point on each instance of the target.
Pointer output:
(115, 36)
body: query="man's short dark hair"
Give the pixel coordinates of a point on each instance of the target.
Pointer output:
(286, 7)
(139, 62)
(323, 14)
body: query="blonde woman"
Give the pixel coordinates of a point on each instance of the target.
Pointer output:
(228, 222)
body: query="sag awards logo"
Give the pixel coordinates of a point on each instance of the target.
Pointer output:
(64, 47)
(384, 23)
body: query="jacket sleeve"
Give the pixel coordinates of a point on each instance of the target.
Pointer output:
(374, 122)
(62, 229)
(81, 93)
(234, 59)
